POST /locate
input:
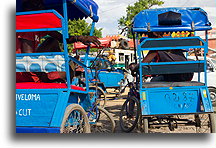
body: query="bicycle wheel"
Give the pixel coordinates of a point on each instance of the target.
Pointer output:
(75, 120)
(212, 92)
(101, 96)
(104, 123)
(205, 123)
(130, 113)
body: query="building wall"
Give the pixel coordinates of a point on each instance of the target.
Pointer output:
(212, 38)
(212, 43)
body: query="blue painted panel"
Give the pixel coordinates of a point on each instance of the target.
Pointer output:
(206, 100)
(170, 101)
(73, 98)
(35, 109)
(82, 99)
(37, 130)
(60, 109)
(86, 101)
(110, 79)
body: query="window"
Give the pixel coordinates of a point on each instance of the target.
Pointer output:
(169, 18)
(121, 57)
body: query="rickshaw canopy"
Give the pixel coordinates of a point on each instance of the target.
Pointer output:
(77, 9)
(171, 19)
(105, 42)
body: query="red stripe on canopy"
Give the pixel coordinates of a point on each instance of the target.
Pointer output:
(105, 42)
(37, 21)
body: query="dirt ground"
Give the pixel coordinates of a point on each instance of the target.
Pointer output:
(114, 106)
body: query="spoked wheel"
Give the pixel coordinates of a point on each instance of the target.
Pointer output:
(75, 120)
(212, 92)
(205, 123)
(101, 96)
(130, 114)
(104, 123)
(198, 123)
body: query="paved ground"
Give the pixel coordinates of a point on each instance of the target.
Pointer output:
(114, 107)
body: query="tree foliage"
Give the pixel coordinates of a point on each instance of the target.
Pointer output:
(81, 27)
(125, 22)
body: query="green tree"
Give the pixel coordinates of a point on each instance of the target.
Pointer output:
(81, 27)
(125, 22)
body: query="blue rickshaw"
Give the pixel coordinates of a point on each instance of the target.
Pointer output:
(101, 70)
(57, 107)
(105, 70)
(152, 105)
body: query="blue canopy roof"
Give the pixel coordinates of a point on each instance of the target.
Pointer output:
(76, 8)
(171, 19)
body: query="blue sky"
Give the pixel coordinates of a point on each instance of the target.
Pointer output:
(111, 10)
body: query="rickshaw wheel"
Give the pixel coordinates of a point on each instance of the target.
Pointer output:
(145, 125)
(75, 120)
(206, 123)
(129, 114)
(212, 122)
(101, 96)
(104, 123)
(212, 92)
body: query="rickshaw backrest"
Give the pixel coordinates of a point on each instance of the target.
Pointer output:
(42, 63)
(172, 42)
(186, 44)
(173, 68)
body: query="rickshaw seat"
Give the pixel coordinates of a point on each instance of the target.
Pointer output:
(33, 85)
(171, 84)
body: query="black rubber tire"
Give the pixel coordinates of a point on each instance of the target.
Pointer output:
(212, 92)
(212, 122)
(105, 122)
(100, 101)
(145, 125)
(85, 128)
(124, 44)
(125, 115)
(209, 123)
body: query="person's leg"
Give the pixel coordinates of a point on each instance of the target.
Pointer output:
(49, 45)
(27, 77)
(27, 46)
